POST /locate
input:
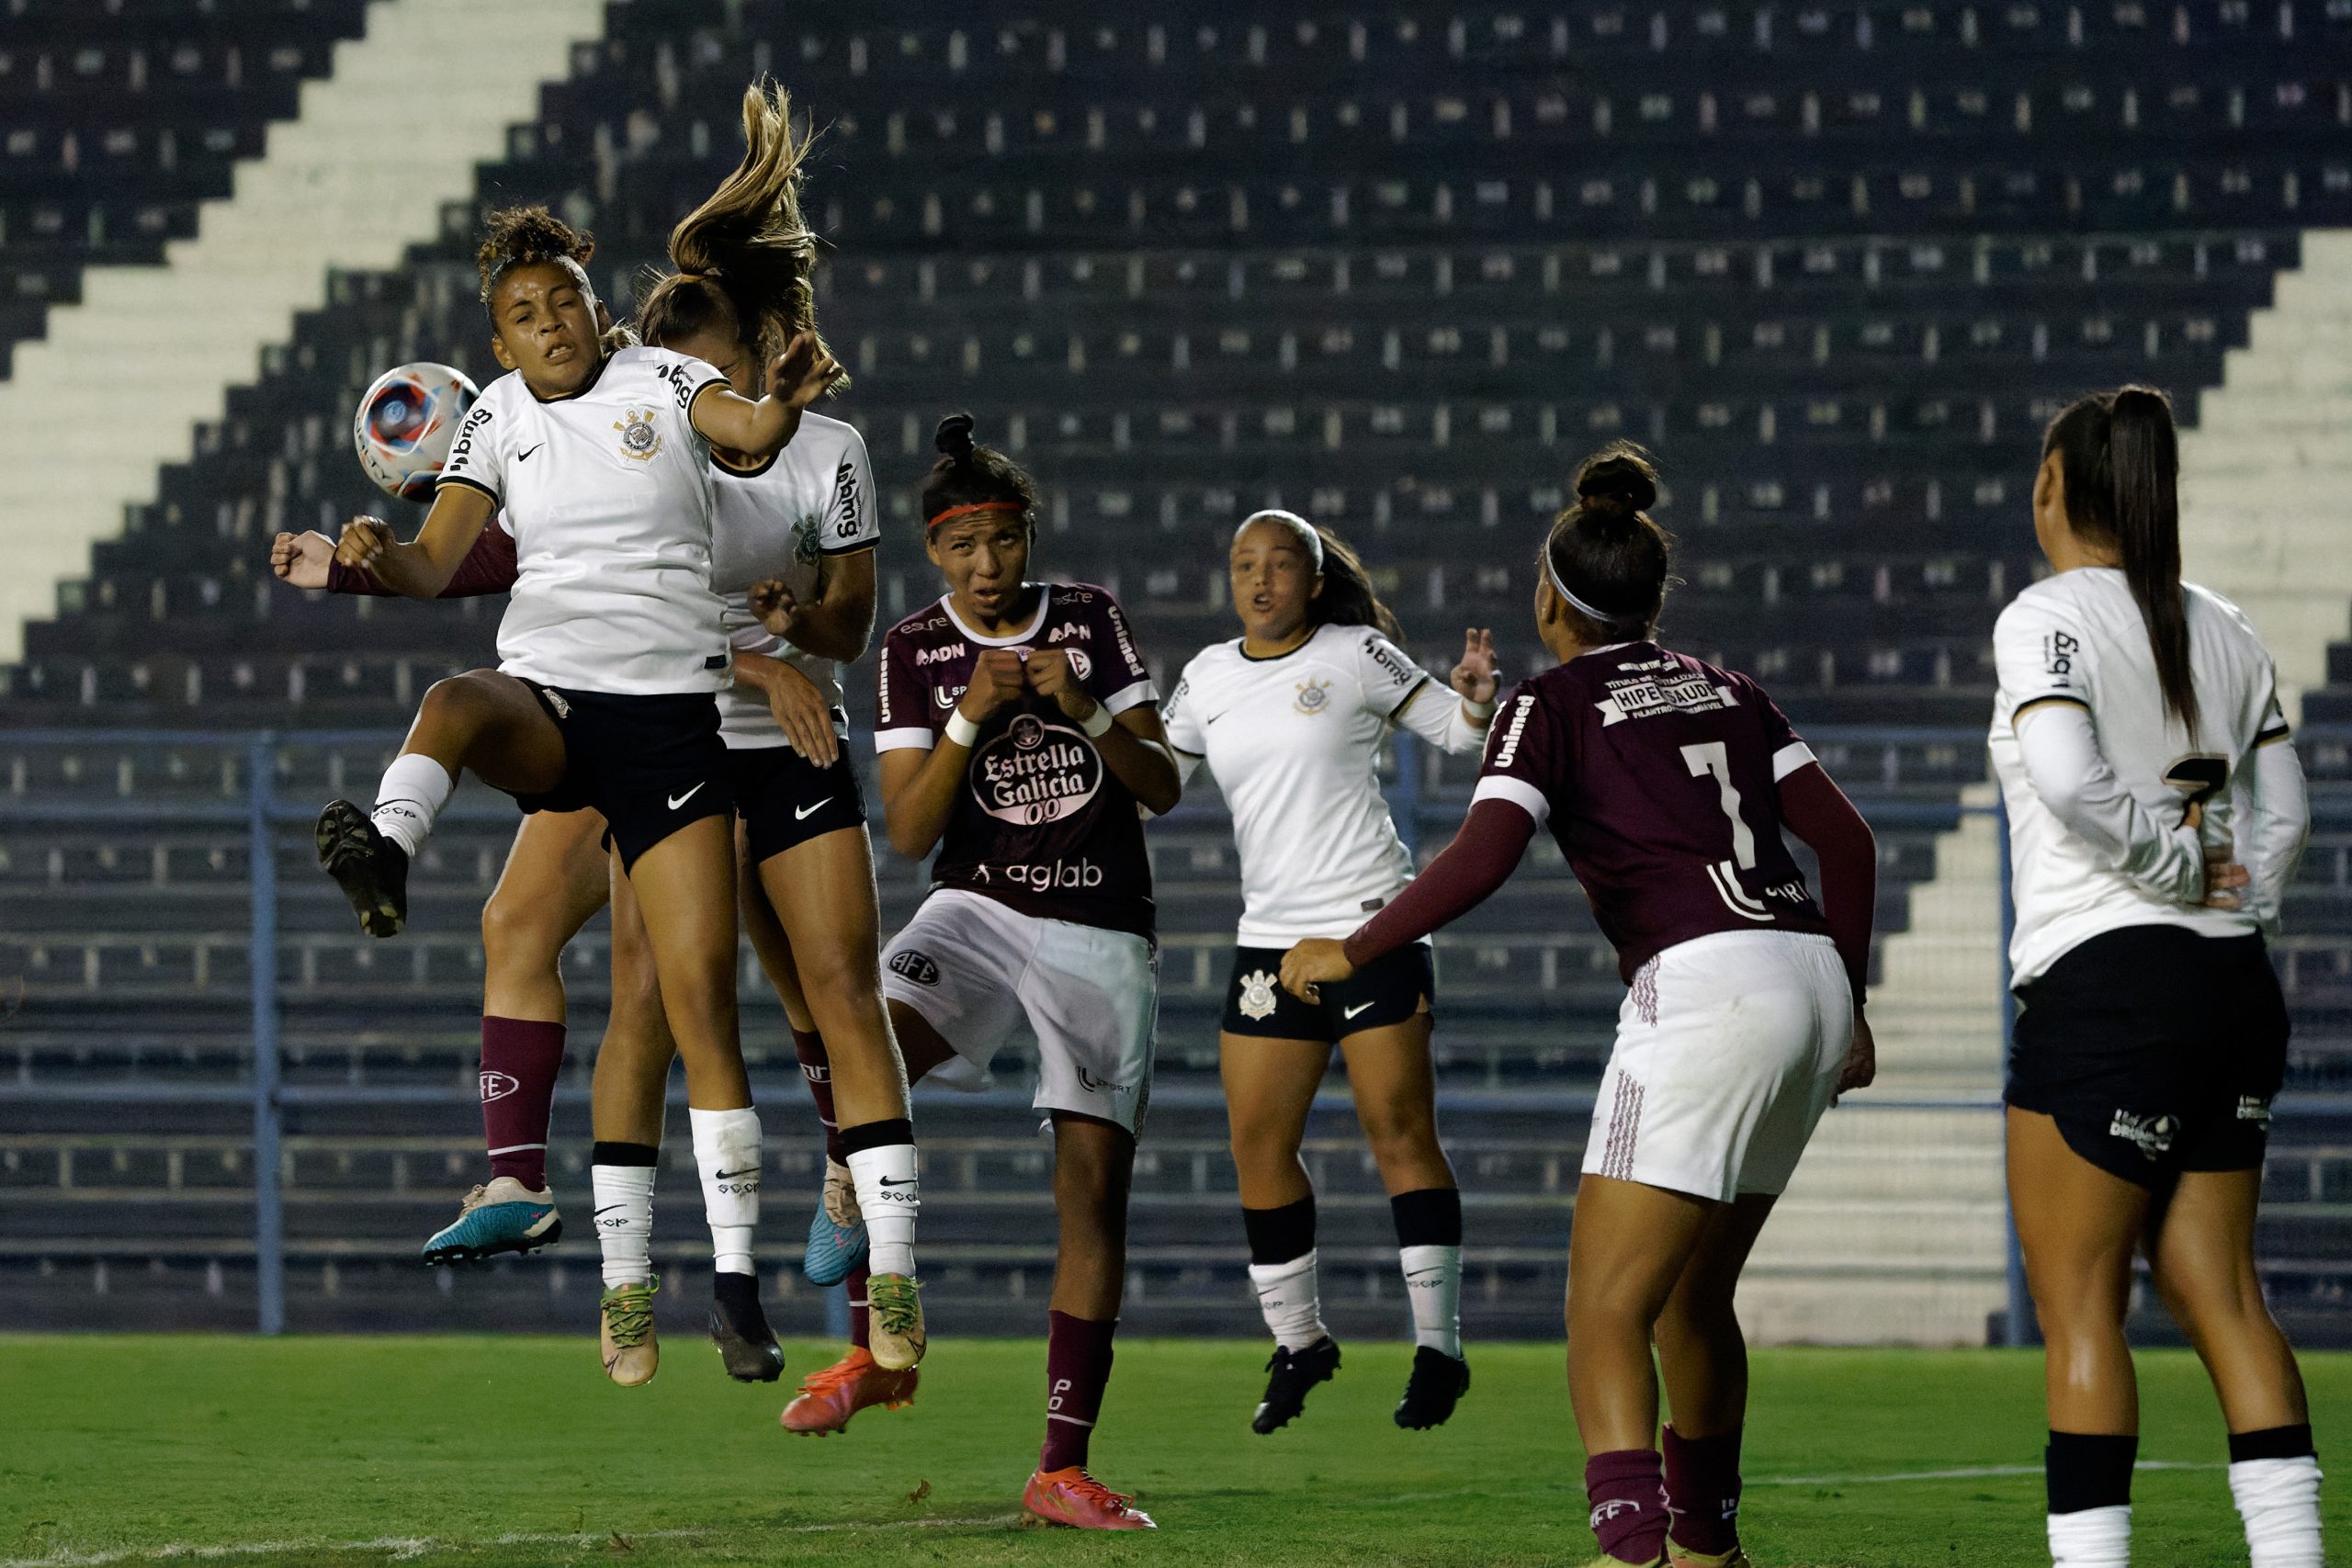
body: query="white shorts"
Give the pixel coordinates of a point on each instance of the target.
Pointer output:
(1729, 1051)
(973, 967)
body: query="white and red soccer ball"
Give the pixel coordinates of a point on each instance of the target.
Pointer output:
(405, 424)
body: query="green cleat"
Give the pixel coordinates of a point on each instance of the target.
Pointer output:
(632, 1352)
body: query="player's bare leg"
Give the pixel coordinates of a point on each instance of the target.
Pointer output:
(1394, 1086)
(1703, 1359)
(1269, 1089)
(628, 1092)
(2200, 1251)
(1093, 1168)
(1627, 1250)
(2078, 1227)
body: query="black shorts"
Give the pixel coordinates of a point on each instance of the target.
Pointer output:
(1387, 990)
(785, 800)
(651, 764)
(2155, 1050)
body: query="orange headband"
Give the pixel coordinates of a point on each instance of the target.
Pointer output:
(975, 506)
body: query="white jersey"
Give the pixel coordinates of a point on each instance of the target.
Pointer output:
(813, 502)
(2077, 637)
(1295, 743)
(607, 493)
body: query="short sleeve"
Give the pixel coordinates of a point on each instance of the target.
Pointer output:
(1388, 673)
(2274, 727)
(1119, 680)
(1781, 742)
(2041, 655)
(687, 380)
(850, 523)
(1523, 757)
(1182, 723)
(900, 704)
(477, 457)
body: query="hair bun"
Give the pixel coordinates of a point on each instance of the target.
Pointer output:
(2148, 401)
(1618, 479)
(954, 437)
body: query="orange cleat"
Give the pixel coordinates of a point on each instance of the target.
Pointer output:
(829, 1398)
(1074, 1498)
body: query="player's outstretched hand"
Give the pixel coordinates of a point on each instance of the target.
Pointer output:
(1475, 677)
(996, 680)
(803, 714)
(1317, 960)
(1051, 676)
(1861, 1060)
(364, 542)
(302, 559)
(799, 375)
(773, 603)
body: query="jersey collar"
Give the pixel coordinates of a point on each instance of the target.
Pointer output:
(1045, 602)
(1608, 647)
(1241, 646)
(602, 365)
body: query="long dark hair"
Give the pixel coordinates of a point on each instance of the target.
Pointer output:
(1605, 555)
(1348, 599)
(968, 475)
(2120, 461)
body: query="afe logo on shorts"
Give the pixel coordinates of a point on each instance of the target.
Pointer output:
(914, 966)
(1257, 996)
(640, 442)
(1035, 772)
(1313, 697)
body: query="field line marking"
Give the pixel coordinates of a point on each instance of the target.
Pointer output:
(1972, 1473)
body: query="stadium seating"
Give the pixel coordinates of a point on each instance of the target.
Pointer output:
(1395, 268)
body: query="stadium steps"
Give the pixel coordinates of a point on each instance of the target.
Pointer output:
(113, 391)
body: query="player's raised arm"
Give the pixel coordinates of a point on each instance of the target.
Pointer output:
(797, 378)
(424, 566)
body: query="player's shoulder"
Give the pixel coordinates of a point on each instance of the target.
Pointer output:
(499, 396)
(827, 440)
(1072, 596)
(1214, 664)
(2204, 601)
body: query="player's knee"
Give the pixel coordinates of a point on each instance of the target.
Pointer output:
(1397, 1131)
(457, 702)
(519, 932)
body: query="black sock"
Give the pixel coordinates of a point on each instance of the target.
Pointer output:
(879, 1135)
(730, 1289)
(1430, 1217)
(625, 1154)
(1277, 1236)
(2087, 1470)
(2273, 1443)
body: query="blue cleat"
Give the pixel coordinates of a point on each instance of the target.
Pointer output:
(505, 1216)
(836, 1232)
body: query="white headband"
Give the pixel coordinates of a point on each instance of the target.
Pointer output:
(1308, 539)
(1552, 572)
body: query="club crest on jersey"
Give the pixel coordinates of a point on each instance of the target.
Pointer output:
(806, 536)
(640, 439)
(1257, 995)
(1313, 697)
(915, 966)
(1080, 664)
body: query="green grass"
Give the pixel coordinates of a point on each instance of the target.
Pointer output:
(434, 1448)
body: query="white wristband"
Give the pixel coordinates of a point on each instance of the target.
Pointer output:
(962, 730)
(1098, 723)
(1478, 710)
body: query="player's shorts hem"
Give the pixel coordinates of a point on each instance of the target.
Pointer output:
(651, 764)
(1395, 988)
(786, 801)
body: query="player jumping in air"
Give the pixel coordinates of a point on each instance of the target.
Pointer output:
(1018, 734)
(2156, 811)
(1667, 783)
(1291, 717)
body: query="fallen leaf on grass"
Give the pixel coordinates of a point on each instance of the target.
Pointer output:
(920, 1493)
(619, 1545)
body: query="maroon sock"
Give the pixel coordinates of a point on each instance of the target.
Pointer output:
(860, 1320)
(1627, 1489)
(818, 1069)
(1077, 1366)
(1702, 1490)
(520, 1058)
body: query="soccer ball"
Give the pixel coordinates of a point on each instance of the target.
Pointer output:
(405, 424)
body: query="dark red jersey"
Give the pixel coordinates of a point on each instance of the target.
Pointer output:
(1659, 776)
(1041, 825)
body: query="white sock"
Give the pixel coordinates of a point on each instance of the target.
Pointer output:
(625, 1221)
(414, 789)
(727, 1153)
(2279, 1500)
(1433, 1284)
(1287, 1295)
(2092, 1537)
(889, 1196)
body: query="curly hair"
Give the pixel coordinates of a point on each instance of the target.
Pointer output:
(528, 236)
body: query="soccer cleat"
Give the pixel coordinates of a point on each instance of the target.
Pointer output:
(894, 1327)
(829, 1398)
(1074, 1499)
(1683, 1557)
(503, 1215)
(1294, 1372)
(1437, 1383)
(371, 869)
(1605, 1561)
(739, 1329)
(632, 1352)
(836, 1230)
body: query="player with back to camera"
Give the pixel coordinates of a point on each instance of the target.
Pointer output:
(612, 648)
(2156, 811)
(1667, 782)
(1019, 733)
(1290, 716)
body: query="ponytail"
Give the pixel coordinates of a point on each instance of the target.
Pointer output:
(2120, 461)
(1605, 556)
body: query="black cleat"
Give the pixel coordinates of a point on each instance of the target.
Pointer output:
(1437, 1384)
(1294, 1372)
(371, 869)
(739, 1329)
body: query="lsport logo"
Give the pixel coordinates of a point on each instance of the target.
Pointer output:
(913, 965)
(497, 1086)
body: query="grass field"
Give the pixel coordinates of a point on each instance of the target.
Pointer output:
(342, 1452)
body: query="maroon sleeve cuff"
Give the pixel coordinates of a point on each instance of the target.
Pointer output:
(1464, 874)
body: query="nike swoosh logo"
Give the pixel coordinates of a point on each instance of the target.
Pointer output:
(1351, 1012)
(681, 800)
(909, 1181)
(610, 1207)
(526, 456)
(731, 1175)
(802, 813)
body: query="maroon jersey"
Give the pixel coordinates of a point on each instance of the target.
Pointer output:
(1659, 776)
(1040, 823)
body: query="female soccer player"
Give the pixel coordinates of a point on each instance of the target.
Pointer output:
(2155, 816)
(1667, 783)
(1291, 717)
(1018, 735)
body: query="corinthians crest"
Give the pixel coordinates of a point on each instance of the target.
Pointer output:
(1313, 697)
(1258, 995)
(640, 440)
